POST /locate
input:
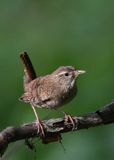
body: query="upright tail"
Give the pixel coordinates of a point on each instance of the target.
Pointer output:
(29, 72)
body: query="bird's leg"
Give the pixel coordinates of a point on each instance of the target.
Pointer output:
(69, 118)
(39, 123)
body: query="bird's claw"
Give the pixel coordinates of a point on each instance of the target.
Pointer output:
(69, 118)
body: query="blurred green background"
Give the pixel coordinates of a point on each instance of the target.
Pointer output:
(55, 33)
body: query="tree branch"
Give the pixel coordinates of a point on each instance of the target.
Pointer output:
(54, 127)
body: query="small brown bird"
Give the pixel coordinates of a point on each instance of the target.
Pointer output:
(52, 91)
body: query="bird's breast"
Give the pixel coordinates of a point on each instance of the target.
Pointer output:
(68, 96)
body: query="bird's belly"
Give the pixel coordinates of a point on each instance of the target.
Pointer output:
(68, 97)
(62, 100)
(58, 100)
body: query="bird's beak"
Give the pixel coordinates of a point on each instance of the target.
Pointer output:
(81, 71)
(78, 72)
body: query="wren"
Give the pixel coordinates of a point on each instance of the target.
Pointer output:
(52, 91)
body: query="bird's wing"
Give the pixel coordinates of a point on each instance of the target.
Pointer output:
(39, 94)
(26, 97)
(35, 101)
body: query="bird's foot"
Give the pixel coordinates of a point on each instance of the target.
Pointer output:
(69, 118)
(40, 128)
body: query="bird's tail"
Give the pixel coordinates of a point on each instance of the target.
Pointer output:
(29, 72)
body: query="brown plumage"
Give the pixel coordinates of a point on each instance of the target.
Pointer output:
(53, 90)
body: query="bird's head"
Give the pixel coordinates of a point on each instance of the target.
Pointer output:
(67, 75)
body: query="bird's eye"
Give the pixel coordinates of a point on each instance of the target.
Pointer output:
(66, 74)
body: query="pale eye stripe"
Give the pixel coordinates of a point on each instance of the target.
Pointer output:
(63, 73)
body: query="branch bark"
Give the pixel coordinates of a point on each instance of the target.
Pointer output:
(55, 127)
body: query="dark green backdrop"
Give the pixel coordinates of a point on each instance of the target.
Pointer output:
(59, 32)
